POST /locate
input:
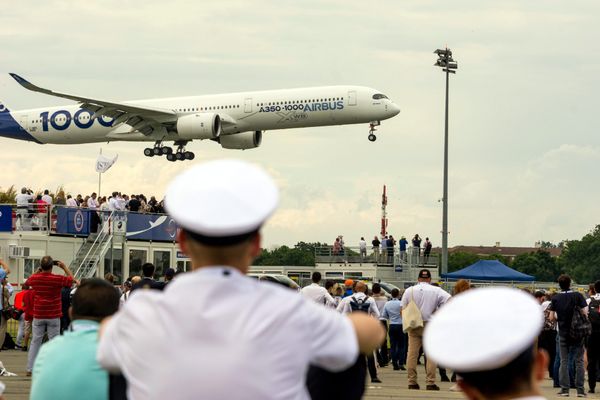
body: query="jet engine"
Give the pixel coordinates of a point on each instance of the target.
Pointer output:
(241, 141)
(199, 126)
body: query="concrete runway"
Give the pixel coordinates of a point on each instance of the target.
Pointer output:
(394, 384)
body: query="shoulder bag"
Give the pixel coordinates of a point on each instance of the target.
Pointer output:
(411, 315)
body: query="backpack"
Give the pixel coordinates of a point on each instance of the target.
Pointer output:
(594, 314)
(360, 305)
(580, 325)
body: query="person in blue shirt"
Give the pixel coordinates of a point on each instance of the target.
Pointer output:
(392, 311)
(66, 367)
(349, 285)
(403, 242)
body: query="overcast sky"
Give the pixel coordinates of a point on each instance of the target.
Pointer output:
(524, 143)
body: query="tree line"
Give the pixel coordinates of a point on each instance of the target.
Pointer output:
(580, 259)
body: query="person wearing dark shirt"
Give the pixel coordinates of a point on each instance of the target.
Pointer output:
(564, 305)
(376, 244)
(65, 300)
(169, 275)
(147, 281)
(134, 204)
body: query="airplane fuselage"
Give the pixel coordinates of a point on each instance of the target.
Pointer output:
(240, 112)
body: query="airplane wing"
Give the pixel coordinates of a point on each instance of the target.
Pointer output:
(148, 120)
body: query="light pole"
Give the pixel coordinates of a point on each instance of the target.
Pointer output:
(448, 66)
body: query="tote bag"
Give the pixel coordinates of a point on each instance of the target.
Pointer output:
(411, 315)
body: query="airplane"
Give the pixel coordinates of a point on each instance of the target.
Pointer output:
(234, 120)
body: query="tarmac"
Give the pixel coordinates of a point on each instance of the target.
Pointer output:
(393, 384)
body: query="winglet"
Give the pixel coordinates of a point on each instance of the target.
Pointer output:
(28, 85)
(22, 81)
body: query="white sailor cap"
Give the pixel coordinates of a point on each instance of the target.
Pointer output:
(222, 202)
(483, 329)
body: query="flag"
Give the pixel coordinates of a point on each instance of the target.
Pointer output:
(103, 163)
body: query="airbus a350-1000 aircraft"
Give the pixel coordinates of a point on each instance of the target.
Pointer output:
(235, 120)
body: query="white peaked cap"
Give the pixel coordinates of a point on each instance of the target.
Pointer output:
(222, 198)
(483, 329)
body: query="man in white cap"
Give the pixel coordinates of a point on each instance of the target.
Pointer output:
(492, 350)
(246, 345)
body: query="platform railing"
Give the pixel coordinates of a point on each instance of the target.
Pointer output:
(43, 217)
(30, 217)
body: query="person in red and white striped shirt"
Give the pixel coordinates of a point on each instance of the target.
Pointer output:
(47, 304)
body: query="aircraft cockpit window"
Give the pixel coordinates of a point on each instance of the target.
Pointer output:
(379, 96)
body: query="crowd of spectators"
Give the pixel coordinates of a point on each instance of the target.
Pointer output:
(67, 312)
(217, 326)
(33, 209)
(29, 202)
(384, 249)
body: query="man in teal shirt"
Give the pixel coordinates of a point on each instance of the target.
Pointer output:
(66, 367)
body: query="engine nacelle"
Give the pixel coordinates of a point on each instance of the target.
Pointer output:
(241, 141)
(199, 126)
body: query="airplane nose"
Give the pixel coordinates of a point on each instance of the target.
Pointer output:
(394, 109)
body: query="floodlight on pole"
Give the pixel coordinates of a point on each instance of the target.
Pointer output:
(448, 65)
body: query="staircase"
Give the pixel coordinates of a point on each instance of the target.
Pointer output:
(92, 252)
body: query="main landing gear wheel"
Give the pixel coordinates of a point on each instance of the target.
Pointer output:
(372, 137)
(157, 150)
(181, 154)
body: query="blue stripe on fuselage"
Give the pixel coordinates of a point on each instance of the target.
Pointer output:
(10, 128)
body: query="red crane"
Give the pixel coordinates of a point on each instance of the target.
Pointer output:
(384, 221)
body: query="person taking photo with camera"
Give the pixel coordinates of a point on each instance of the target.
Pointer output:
(47, 304)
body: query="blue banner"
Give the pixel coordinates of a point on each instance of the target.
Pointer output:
(73, 221)
(154, 227)
(150, 227)
(5, 219)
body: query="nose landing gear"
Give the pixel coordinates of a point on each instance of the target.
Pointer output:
(372, 129)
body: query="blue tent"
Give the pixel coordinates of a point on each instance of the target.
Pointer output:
(489, 270)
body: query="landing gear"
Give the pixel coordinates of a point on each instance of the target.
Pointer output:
(157, 150)
(372, 130)
(181, 154)
(160, 150)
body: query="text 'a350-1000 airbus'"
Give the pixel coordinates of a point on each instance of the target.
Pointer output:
(235, 120)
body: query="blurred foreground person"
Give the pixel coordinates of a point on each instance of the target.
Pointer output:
(244, 346)
(494, 353)
(66, 368)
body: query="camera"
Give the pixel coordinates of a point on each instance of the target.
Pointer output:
(55, 262)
